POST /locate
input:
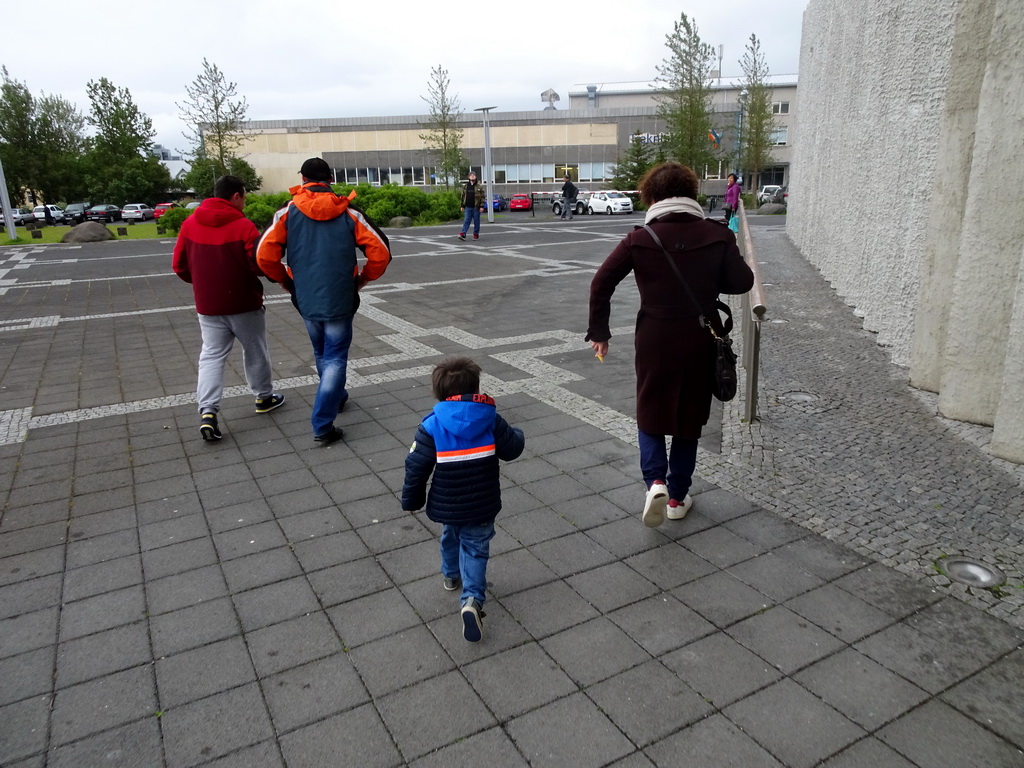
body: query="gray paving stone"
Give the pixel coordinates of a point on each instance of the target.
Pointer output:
(264, 755)
(101, 548)
(18, 519)
(316, 523)
(398, 660)
(712, 741)
(433, 714)
(353, 489)
(570, 731)
(275, 602)
(951, 619)
(571, 554)
(312, 692)
(372, 617)
(888, 591)
(203, 671)
(102, 577)
(795, 713)
(392, 534)
(357, 737)
(137, 743)
(661, 623)
(590, 511)
(766, 529)
(721, 546)
(611, 586)
(415, 561)
(31, 565)
(625, 537)
(348, 581)
(182, 590)
(103, 703)
(215, 726)
(720, 669)
(501, 632)
(722, 598)
(292, 643)
(191, 627)
(248, 540)
(325, 551)
(775, 577)
(936, 734)
(536, 526)
(867, 753)
(648, 702)
(863, 690)
(168, 507)
(245, 573)
(28, 596)
(518, 680)
(178, 558)
(992, 697)
(720, 505)
(95, 614)
(515, 572)
(548, 609)
(822, 557)
(98, 523)
(669, 565)
(26, 675)
(784, 639)
(492, 747)
(837, 611)
(28, 631)
(238, 515)
(594, 650)
(24, 731)
(102, 653)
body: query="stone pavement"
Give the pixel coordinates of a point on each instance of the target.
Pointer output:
(263, 601)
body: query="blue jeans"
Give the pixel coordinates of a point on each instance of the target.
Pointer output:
(675, 467)
(331, 340)
(464, 553)
(472, 215)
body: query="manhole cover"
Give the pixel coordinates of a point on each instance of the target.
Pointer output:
(799, 397)
(971, 572)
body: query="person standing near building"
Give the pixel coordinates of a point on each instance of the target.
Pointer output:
(732, 196)
(320, 232)
(569, 195)
(215, 252)
(473, 203)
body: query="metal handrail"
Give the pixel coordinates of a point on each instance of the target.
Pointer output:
(753, 310)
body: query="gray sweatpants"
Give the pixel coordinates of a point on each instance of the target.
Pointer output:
(219, 334)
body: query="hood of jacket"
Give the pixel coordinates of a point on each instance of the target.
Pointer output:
(469, 417)
(215, 212)
(319, 202)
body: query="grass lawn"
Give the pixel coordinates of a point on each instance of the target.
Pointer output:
(54, 234)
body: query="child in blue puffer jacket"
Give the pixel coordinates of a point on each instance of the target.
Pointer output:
(460, 442)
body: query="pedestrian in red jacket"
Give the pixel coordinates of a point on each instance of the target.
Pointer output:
(216, 252)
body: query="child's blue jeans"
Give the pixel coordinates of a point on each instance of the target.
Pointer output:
(464, 553)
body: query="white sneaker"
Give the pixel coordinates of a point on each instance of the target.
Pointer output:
(677, 510)
(654, 505)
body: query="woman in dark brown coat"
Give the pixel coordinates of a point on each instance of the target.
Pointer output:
(673, 352)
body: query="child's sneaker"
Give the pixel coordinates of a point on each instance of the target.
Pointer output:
(476, 237)
(677, 509)
(267, 404)
(472, 621)
(208, 427)
(654, 505)
(462, 235)
(453, 583)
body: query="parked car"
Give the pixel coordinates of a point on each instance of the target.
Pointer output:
(136, 212)
(609, 202)
(193, 205)
(76, 212)
(109, 213)
(162, 208)
(499, 203)
(520, 203)
(781, 196)
(765, 195)
(20, 216)
(40, 213)
(578, 210)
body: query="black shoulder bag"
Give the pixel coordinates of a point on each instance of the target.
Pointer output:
(723, 369)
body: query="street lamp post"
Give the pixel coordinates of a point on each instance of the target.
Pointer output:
(5, 207)
(488, 170)
(741, 100)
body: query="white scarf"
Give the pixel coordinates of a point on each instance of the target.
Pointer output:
(674, 205)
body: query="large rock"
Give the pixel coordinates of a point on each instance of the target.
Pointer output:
(400, 222)
(770, 208)
(87, 232)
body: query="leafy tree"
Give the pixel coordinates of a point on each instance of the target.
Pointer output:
(443, 136)
(638, 160)
(205, 170)
(216, 117)
(757, 123)
(122, 130)
(684, 95)
(137, 180)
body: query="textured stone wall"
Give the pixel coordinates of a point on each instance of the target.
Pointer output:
(907, 192)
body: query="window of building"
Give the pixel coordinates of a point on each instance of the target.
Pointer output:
(780, 108)
(418, 176)
(780, 136)
(499, 175)
(537, 172)
(573, 171)
(349, 177)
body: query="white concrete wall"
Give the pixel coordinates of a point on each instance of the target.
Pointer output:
(907, 190)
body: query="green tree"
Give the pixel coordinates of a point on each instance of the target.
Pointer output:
(204, 171)
(216, 118)
(684, 95)
(637, 161)
(136, 180)
(758, 123)
(443, 136)
(122, 130)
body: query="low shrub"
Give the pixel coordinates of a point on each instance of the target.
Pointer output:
(173, 218)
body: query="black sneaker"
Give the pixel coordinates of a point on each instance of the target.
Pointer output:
(267, 404)
(453, 583)
(462, 235)
(332, 435)
(472, 621)
(208, 427)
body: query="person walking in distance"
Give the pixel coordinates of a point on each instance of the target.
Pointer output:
(473, 203)
(321, 234)
(732, 197)
(215, 252)
(569, 195)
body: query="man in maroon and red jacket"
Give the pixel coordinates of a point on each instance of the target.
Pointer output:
(216, 253)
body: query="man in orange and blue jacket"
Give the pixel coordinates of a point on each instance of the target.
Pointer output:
(317, 234)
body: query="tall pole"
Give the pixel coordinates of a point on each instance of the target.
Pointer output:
(488, 170)
(5, 205)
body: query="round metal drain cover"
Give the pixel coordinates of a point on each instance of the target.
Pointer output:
(799, 397)
(972, 572)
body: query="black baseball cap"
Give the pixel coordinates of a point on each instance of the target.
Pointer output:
(317, 169)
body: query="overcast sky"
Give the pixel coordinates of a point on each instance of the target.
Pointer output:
(362, 59)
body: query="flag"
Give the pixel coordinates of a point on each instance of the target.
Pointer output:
(714, 137)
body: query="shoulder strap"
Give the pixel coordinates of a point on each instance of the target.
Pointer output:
(686, 286)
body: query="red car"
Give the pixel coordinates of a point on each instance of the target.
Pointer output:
(162, 208)
(520, 203)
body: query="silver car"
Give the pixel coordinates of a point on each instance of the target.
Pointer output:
(137, 212)
(20, 216)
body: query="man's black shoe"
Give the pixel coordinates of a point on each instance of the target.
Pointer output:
(332, 435)
(267, 404)
(208, 427)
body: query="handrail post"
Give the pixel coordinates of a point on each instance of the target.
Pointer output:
(753, 309)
